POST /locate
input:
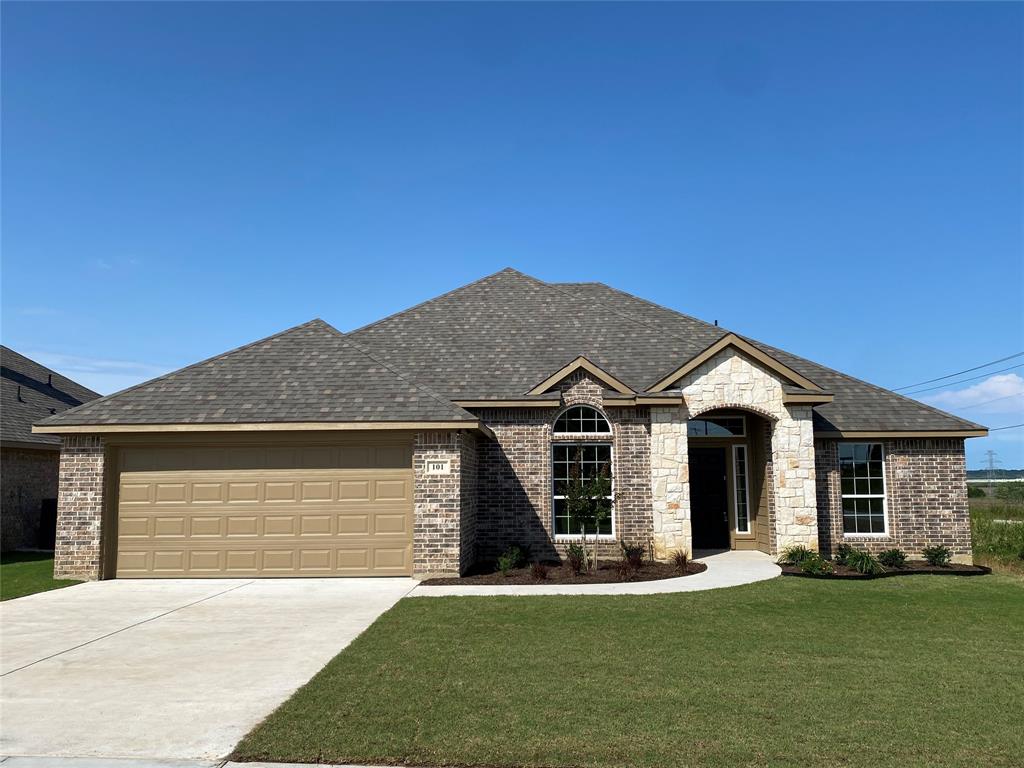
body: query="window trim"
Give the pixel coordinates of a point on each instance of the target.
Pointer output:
(884, 533)
(561, 437)
(551, 468)
(749, 530)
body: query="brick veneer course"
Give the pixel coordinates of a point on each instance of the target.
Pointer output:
(27, 477)
(78, 549)
(926, 497)
(437, 525)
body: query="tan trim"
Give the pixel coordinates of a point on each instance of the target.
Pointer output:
(801, 397)
(277, 426)
(580, 362)
(732, 340)
(508, 403)
(914, 433)
(612, 402)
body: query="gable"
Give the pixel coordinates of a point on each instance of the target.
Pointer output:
(580, 364)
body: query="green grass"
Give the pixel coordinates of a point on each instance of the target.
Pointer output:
(999, 545)
(909, 671)
(25, 573)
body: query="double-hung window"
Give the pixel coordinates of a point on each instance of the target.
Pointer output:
(862, 477)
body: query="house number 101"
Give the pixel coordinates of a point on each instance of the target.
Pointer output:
(439, 466)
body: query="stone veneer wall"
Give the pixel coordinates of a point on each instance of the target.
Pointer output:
(437, 525)
(27, 477)
(926, 497)
(515, 474)
(78, 551)
(729, 380)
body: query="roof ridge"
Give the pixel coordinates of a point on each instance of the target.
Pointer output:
(97, 401)
(5, 350)
(425, 302)
(344, 337)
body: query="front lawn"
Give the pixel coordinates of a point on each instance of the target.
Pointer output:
(25, 573)
(908, 671)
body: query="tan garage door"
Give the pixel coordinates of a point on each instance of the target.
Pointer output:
(273, 511)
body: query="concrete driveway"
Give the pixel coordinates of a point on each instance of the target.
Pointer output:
(168, 669)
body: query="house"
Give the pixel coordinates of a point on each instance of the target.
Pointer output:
(441, 434)
(29, 461)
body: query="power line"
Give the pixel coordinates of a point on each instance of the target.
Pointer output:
(1012, 426)
(994, 400)
(958, 373)
(962, 381)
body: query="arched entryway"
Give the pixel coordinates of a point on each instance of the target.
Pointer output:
(729, 455)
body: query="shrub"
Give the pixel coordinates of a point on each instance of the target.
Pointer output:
(626, 569)
(538, 571)
(795, 554)
(843, 552)
(1010, 491)
(864, 562)
(576, 557)
(634, 553)
(893, 558)
(976, 492)
(506, 563)
(680, 559)
(513, 557)
(937, 555)
(815, 565)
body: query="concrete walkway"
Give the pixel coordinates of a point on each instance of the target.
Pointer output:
(167, 669)
(725, 569)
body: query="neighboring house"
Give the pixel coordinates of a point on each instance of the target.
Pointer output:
(444, 433)
(29, 461)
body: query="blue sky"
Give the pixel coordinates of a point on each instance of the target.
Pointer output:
(845, 181)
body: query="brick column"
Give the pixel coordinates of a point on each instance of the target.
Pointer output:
(78, 549)
(437, 528)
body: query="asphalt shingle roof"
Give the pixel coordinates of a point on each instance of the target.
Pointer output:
(858, 406)
(495, 338)
(310, 373)
(30, 392)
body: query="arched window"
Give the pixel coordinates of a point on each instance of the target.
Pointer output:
(582, 419)
(581, 460)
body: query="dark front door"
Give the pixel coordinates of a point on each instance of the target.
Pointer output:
(709, 498)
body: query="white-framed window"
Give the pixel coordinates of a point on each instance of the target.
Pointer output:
(593, 458)
(741, 489)
(862, 481)
(717, 426)
(582, 420)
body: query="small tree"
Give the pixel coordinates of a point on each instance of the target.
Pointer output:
(587, 502)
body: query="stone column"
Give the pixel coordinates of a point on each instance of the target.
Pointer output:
(669, 482)
(796, 504)
(78, 548)
(437, 527)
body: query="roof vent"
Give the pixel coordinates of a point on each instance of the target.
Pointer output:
(716, 323)
(19, 394)
(49, 379)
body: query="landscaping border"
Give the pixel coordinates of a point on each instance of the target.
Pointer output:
(938, 570)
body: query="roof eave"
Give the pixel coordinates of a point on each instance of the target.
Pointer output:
(274, 426)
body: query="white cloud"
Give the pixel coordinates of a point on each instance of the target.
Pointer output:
(99, 374)
(1003, 393)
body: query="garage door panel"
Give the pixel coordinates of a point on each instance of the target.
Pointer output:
(177, 518)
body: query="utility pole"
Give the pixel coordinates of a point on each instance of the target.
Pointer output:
(992, 461)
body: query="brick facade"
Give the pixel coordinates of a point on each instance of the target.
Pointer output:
(515, 505)
(27, 477)
(78, 550)
(440, 500)
(926, 497)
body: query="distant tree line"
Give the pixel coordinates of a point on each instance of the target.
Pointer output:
(995, 474)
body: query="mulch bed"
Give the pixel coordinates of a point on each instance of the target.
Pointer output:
(558, 573)
(912, 567)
